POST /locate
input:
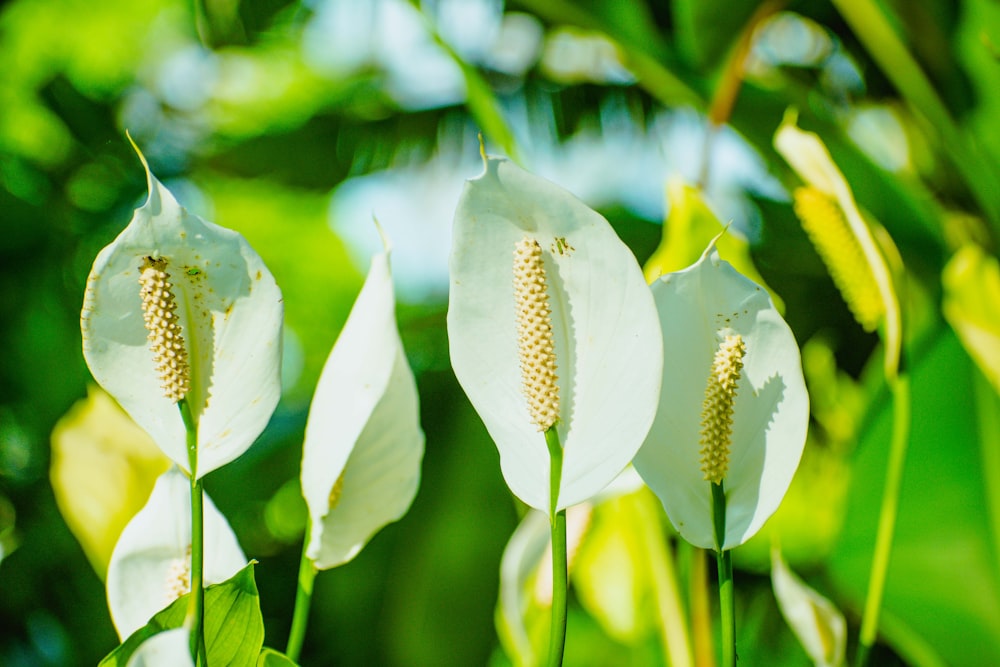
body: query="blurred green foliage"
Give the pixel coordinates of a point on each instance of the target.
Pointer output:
(263, 115)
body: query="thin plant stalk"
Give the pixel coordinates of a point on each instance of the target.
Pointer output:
(303, 599)
(560, 568)
(701, 617)
(727, 598)
(196, 603)
(900, 388)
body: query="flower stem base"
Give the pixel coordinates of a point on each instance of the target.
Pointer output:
(560, 568)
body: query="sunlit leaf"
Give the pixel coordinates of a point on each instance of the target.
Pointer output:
(234, 627)
(689, 228)
(103, 470)
(971, 282)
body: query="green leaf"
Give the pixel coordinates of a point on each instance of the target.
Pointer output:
(611, 577)
(705, 29)
(629, 24)
(234, 627)
(971, 304)
(271, 658)
(942, 598)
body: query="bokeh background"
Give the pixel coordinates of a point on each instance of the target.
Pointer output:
(297, 122)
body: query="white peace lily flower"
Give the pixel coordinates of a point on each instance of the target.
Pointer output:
(170, 648)
(705, 311)
(818, 624)
(600, 324)
(151, 564)
(180, 308)
(363, 443)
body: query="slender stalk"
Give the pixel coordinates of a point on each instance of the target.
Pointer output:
(724, 559)
(560, 569)
(196, 603)
(728, 88)
(701, 618)
(303, 598)
(900, 388)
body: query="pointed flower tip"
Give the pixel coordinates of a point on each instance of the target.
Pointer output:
(824, 222)
(717, 408)
(711, 250)
(386, 241)
(145, 164)
(535, 342)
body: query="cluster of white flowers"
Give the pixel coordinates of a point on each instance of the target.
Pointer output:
(207, 335)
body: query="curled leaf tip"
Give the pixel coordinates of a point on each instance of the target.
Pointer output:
(386, 241)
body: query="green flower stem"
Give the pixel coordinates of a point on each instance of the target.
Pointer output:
(701, 617)
(303, 598)
(196, 603)
(724, 559)
(560, 568)
(900, 388)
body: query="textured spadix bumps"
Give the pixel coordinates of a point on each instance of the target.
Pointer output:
(717, 408)
(606, 346)
(535, 343)
(177, 307)
(701, 308)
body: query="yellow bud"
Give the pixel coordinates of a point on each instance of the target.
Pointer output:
(824, 223)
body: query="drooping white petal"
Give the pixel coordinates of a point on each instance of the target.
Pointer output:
(151, 564)
(363, 443)
(697, 306)
(607, 344)
(170, 648)
(230, 313)
(819, 626)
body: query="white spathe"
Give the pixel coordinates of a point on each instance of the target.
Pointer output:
(698, 307)
(170, 648)
(151, 564)
(819, 626)
(230, 314)
(363, 435)
(607, 338)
